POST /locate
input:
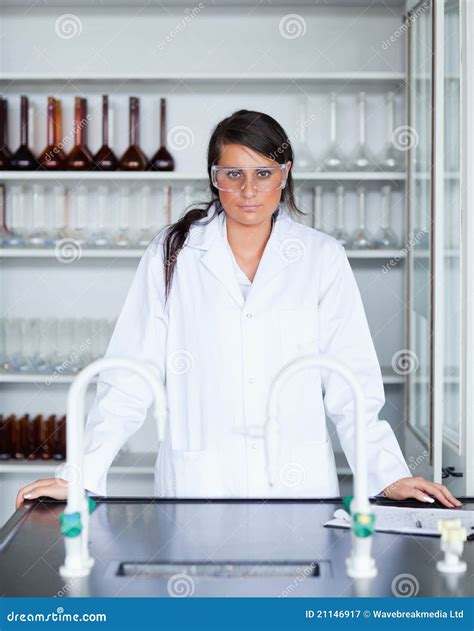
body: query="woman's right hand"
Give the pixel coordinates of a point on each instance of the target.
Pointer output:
(48, 487)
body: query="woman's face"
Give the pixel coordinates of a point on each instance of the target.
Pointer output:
(248, 206)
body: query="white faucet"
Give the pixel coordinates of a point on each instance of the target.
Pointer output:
(360, 564)
(75, 519)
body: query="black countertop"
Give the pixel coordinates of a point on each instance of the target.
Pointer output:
(283, 541)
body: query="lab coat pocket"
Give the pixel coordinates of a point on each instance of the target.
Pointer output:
(298, 331)
(197, 474)
(311, 470)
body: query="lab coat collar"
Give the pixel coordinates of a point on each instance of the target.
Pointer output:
(208, 235)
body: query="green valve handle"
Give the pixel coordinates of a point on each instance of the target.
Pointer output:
(364, 524)
(347, 503)
(70, 524)
(92, 504)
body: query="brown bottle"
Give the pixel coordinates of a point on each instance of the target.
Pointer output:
(80, 158)
(105, 159)
(18, 424)
(134, 159)
(46, 437)
(5, 438)
(5, 153)
(53, 157)
(59, 440)
(32, 425)
(23, 159)
(162, 160)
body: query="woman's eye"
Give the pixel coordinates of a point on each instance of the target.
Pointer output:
(264, 173)
(233, 174)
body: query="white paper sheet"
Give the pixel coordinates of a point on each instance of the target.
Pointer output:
(419, 521)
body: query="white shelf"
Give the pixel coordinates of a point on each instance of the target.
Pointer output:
(389, 378)
(128, 463)
(125, 464)
(27, 253)
(207, 77)
(147, 176)
(137, 253)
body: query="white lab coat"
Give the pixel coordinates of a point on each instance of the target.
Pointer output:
(217, 355)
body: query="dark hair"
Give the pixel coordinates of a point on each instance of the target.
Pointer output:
(254, 130)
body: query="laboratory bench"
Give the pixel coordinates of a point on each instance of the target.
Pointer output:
(229, 547)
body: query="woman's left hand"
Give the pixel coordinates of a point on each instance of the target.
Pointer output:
(422, 490)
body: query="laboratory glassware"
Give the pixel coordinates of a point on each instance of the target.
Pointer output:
(361, 238)
(162, 160)
(146, 214)
(23, 159)
(100, 237)
(134, 159)
(339, 232)
(5, 153)
(5, 437)
(303, 158)
(384, 237)
(391, 158)
(105, 159)
(39, 236)
(363, 159)
(53, 157)
(80, 158)
(334, 159)
(122, 237)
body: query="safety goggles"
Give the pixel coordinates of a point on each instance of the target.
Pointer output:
(263, 179)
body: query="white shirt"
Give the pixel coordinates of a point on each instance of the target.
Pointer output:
(240, 275)
(218, 354)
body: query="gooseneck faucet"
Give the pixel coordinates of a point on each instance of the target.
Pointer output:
(75, 519)
(360, 564)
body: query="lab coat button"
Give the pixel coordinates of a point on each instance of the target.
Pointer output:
(249, 315)
(251, 379)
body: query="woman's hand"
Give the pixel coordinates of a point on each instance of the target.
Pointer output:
(49, 487)
(420, 489)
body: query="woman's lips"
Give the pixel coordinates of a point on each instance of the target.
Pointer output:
(250, 206)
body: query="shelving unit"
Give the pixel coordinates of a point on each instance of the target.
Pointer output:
(216, 89)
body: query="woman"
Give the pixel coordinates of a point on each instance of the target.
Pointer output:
(221, 300)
